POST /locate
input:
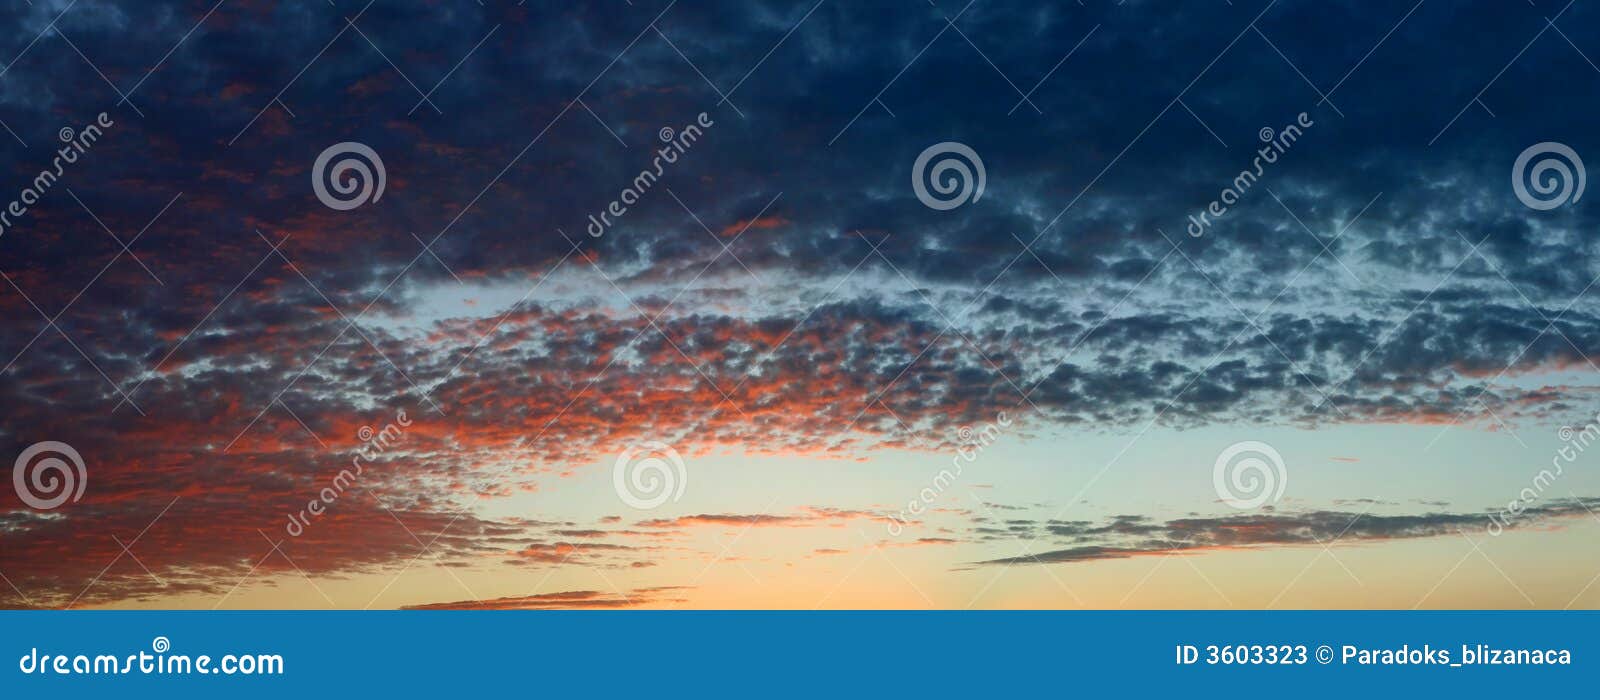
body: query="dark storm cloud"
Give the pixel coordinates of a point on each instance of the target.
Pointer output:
(848, 315)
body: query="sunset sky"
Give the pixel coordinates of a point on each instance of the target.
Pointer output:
(780, 324)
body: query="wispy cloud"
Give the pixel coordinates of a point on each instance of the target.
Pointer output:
(1131, 536)
(638, 597)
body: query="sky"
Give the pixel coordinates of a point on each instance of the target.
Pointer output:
(816, 304)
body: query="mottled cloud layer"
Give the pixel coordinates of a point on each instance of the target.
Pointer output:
(183, 310)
